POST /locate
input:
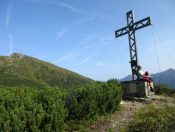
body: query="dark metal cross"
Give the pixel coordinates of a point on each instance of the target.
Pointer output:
(130, 30)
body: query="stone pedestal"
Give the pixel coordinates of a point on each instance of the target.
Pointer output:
(135, 89)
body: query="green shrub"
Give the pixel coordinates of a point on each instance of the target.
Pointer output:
(46, 109)
(87, 102)
(153, 119)
(164, 89)
(32, 110)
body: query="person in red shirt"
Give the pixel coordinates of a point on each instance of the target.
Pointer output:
(146, 77)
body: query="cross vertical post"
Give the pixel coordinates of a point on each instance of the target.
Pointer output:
(132, 43)
(130, 30)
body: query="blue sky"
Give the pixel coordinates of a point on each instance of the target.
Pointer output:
(79, 34)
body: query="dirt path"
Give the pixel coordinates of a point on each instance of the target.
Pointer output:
(121, 119)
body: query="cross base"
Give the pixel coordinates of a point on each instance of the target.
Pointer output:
(136, 89)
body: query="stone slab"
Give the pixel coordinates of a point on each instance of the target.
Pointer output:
(135, 89)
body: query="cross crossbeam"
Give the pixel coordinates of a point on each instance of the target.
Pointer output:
(130, 30)
(137, 25)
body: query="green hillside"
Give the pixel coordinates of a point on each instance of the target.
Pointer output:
(21, 70)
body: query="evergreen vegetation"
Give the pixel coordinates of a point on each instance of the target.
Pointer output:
(50, 109)
(164, 89)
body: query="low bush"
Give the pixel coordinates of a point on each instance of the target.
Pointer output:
(32, 109)
(87, 102)
(164, 89)
(153, 119)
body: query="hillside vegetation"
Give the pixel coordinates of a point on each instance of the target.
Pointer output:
(22, 70)
(38, 96)
(54, 109)
(153, 114)
(164, 90)
(158, 116)
(153, 118)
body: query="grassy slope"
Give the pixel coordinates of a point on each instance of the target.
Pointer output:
(154, 118)
(20, 70)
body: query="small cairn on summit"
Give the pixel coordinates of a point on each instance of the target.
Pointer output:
(17, 55)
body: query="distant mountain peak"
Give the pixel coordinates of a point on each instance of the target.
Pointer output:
(165, 77)
(170, 70)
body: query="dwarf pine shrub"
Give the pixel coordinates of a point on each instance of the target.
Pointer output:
(49, 109)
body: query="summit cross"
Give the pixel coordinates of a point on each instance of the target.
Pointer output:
(130, 30)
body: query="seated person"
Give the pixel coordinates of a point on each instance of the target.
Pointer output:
(145, 77)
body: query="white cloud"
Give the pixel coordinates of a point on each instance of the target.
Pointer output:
(81, 62)
(44, 56)
(99, 64)
(58, 3)
(7, 20)
(11, 38)
(7, 24)
(51, 2)
(67, 57)
(62, 32)
(84, 60)
(83, 53)
(72, 8)
(67, 28)
(8, 14)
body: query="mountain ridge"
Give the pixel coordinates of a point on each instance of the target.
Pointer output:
(19, 69)
(166, 77)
